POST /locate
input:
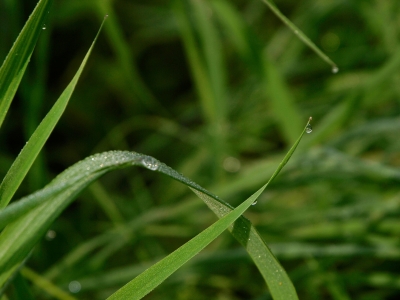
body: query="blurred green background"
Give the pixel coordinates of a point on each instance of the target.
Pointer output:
(218, 90)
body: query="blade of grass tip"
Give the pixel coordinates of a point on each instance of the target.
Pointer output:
(301, 35)
(155, 275)
(28, 154)
(15, 64)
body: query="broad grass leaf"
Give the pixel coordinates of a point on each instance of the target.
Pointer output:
(29, 218)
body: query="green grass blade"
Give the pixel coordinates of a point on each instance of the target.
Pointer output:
(28, 219)
(152, 277)
(301, 35)
(28, 154)
(277, 279)
(14, 65)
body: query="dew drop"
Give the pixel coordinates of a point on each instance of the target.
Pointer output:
(150, 163)
(50, 235)
(231, 164)
(105, 17)
(335, 69)
(308, 128)
(254, 203)
(74, 286)
(44, 27)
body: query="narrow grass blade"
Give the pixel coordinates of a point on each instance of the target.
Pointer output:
(301, 35)
(155, 275)
(28, 154)
(29, 218)
(14, 65)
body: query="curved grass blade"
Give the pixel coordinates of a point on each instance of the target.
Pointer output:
(28, 154)
(14, 65)
(301, 35)
(29, 218)
(275, 277)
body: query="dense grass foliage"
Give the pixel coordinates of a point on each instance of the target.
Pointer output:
(219, 90)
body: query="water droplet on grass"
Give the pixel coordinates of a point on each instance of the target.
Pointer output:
(335, 69)
(254, 203)
(44, 27)
(74, 286)
(308, 128)
(50, 235)
(231, 164)
(150, 163)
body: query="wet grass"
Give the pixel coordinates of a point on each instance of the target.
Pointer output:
(219, 91)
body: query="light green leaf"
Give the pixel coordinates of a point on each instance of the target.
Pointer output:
(28, 154)
(14, 65)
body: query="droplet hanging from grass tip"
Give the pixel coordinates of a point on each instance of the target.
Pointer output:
(335, 69)
(308, 128)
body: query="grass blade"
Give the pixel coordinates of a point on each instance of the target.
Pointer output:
(301, 35)
(152, 277)
(29, 218)
(155, 275)
(28, 154)
(14, 65)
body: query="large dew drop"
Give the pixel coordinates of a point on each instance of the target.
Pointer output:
(308, 128)
(254, 203)
(335, 69)
(150, 163)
